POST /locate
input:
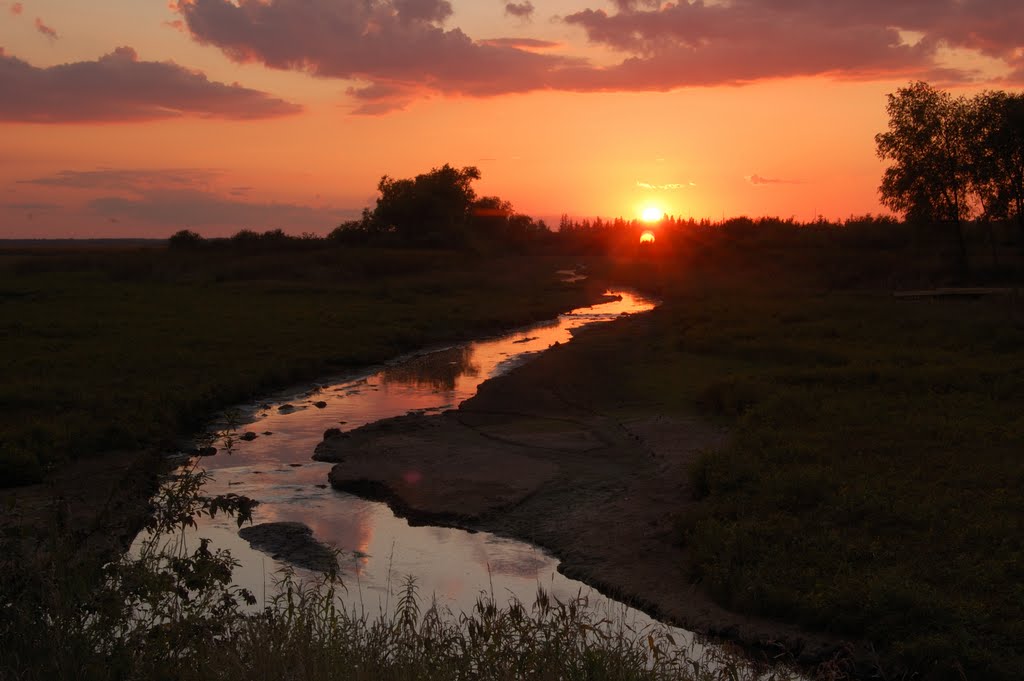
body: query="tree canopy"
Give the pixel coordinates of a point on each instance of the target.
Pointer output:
(953, 158)
(439, 208)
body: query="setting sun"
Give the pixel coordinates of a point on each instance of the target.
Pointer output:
(652, 214)
(647, 237)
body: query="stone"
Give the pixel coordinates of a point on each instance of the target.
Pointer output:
(293, 543)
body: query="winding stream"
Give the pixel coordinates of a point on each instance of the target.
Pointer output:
(378, 549)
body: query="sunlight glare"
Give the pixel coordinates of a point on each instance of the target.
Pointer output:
(647, 237)
(652, 214)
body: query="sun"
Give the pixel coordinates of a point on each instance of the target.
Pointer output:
(647, 237)
(652, 214)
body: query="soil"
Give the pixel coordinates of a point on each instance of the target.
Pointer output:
(293, 543)
(94, 506)
(601, 489)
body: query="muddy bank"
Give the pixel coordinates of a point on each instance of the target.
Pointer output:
(602, 489)
(87, 509)
(293, 543)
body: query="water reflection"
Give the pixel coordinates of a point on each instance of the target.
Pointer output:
(436, 371)
(377, 547)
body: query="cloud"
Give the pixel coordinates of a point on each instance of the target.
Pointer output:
(423, 10)
(387, 43)
(17, 8)
(128, 179)
(163, 200)
(189, 208)
(402, 46)
(32, 207)
(522, 10)
(756, 179)
(670, 186)
(747, 40)
(380, 98)
(48, 31)
(119, 87)
(521, 43)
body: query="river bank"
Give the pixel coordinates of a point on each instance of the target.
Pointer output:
(532, 457)
(114, 357)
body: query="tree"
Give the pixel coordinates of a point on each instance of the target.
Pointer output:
(928, 144)
(998, 154)
(490, 218)
(185, 239)
(432, 209)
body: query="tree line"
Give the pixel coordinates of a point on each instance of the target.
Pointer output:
(954, 159)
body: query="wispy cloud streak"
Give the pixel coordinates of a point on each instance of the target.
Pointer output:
(756, 179)
(47, 31)
(670, 186)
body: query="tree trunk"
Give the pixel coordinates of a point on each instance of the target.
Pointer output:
(961, 251)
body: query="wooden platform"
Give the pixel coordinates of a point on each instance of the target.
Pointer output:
(956, 292)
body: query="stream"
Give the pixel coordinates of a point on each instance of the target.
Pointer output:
(452, 567)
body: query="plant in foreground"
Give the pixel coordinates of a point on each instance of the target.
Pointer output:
(168, 609)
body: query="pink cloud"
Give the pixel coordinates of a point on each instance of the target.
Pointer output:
(159, 201)
(759, 180)
(128, 179)
(17, 8)
(120, 87)
(388, 42)
(402, 44)
(520, 43)
(48, 31)
(179, 208)
(804, 28)
(521, 10)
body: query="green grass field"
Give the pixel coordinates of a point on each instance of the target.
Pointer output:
(120, 349)
(871, 487)
(872, 484)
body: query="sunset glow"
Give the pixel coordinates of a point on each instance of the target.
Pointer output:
(652, 214)
(121, 118)
(647, 237)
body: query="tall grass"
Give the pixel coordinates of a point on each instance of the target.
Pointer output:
(107, 350)
(870, 488)
(170, 611)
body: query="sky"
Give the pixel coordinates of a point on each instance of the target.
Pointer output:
(138, 118)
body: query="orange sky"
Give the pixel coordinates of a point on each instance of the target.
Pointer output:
(136, 118)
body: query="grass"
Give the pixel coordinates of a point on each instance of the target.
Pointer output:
(120, 349)
(871, 486)
(169, 611)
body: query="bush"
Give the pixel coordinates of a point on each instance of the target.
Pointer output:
(185, 240)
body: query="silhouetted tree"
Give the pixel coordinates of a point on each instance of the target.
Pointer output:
(929, 146)
(997, 132)
(490, 218)
(433, 208)
(185, 239)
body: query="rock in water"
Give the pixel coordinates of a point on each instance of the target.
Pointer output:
(291, 542)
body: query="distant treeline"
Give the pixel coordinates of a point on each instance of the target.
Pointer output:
(440, 210)
(501, 230)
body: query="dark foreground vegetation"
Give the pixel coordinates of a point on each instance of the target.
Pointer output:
(870, 488)
(129, 349)
(168, 610)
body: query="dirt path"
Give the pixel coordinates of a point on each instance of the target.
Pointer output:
(528, 457)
